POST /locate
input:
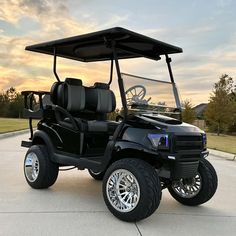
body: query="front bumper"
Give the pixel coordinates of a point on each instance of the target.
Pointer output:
(183, 164)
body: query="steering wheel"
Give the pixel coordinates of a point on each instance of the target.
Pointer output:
(135, 94)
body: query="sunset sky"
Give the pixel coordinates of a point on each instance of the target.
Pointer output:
(206, 30)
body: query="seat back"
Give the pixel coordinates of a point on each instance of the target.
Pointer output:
(53, 92)
(69, 94)
(100, 99)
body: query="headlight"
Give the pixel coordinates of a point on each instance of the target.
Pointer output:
(159, 141)
(204, 140)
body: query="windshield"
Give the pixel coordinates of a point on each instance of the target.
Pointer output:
(148, 95)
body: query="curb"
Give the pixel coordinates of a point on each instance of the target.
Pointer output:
(14, 133)
(226, 155)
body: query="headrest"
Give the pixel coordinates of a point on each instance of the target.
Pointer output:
(101, 85)
(69, 94)
(100, 100)
(53, 92)
(73, 81)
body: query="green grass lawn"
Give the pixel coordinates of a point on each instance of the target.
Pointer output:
(9, 125)
(226, 143)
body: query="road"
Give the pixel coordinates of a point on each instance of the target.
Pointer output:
(74, 204)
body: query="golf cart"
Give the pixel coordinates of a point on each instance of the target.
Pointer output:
(145, 151)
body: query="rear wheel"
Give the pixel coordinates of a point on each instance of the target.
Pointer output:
(131, 189)
(197, 190)
(39, 171)
(96, 175)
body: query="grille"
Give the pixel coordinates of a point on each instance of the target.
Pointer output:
(185, 170)
(188, 143)
(189, 157)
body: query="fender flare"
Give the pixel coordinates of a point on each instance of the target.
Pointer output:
(120, 147)
(42, 135)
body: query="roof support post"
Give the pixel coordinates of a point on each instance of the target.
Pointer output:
(111, 72)
(168, 61)
(120, 82)
(55, 64)
(175, 90)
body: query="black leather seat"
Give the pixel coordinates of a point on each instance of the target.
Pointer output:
(70, 95)
(76, 99)
(100, 100)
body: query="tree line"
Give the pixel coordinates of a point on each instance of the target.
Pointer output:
(220, 114)
(11, 103)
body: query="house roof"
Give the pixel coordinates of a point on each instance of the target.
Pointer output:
(200, 109)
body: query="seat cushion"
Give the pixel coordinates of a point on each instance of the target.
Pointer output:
(102, 126)
(97, 126)
(82, 125)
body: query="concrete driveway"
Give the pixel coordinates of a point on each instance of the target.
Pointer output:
(74, 205)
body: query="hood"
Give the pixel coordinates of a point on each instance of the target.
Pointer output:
(163, 119)
(168, 124)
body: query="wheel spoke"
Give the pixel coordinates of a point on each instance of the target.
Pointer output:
(123, 190)
(131, 93)
(140, 95)
(187, 188)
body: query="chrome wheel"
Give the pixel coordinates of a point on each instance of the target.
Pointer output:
(123, 191)
(189, 187)
(31, 166)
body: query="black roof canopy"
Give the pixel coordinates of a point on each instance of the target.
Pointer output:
(97, 46)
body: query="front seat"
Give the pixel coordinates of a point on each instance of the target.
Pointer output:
(100, 100)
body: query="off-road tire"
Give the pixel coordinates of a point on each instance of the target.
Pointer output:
(208, 189)
(150, 189)
(96, 176)
(48, 171)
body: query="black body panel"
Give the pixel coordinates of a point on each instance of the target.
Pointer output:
(185, 143)
(130, 139)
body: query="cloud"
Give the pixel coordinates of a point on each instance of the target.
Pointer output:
(114, 21)
(202, 29)
(23, 69)
(10, 11)
(52, 15)
(13, 10)
(195, 70)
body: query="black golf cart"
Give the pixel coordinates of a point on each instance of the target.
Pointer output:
(146, 150)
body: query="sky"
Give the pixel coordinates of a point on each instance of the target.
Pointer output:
(206, 30)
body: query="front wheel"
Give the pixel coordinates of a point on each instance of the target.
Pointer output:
(131, 189)
(40, 172)
(197, 190)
